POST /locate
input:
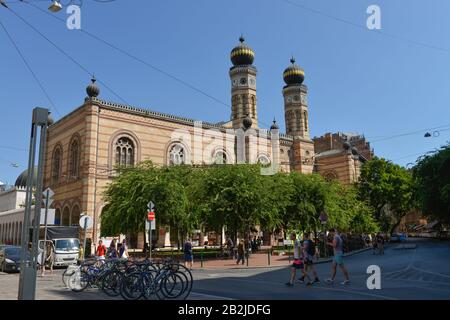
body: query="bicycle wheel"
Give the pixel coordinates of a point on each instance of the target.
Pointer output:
(66, 275)
(132, 286)
(172, 286)
(110, 283)
(150, 285)
(189, 280)
(79, 280)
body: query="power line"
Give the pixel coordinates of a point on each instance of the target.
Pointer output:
(147, 64)
(30, 69)
(132, 56)
(359, 26)
(410, 133)
(66, 54)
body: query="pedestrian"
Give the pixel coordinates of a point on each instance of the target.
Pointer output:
(112, 250)
(338, 258)
(230, 247)
(100, 252)
(240, 253)
(298, 262)
(188, 254)
(123, 252)
(49, 257)
(309, 254)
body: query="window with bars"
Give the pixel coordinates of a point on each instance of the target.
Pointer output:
(56, 165)
(177, 155)
(74, 156)
(125, 152)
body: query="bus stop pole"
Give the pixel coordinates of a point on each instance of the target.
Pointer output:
(85, 234)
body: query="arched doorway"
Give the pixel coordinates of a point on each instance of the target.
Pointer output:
(57, 217)
(65, 219)
(75, 217)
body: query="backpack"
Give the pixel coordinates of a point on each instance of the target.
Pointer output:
(311, 248)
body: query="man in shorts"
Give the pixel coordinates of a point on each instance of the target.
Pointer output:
(309, 252)
(338, 258)
(298, 262)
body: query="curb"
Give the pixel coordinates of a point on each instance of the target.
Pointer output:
(286, 265)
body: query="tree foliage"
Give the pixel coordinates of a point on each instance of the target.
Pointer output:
(432, 176)
(236, 197)
(389, 189)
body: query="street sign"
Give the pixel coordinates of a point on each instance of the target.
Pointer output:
(150, 216)
(150, 225)
(50, 216)
(151, 206)
(51, 193)
(89, 222)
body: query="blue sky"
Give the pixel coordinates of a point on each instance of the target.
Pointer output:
(359, 81)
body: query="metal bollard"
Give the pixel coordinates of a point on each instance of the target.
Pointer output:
(268, 257)
(201, 259)
(247, 258)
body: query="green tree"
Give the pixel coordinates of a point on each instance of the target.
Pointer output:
(432, 176)
(389, 189)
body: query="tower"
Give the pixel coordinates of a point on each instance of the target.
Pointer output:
(295, 101)
(296, 117)
(243, 86)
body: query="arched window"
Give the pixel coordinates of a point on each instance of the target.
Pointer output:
(65, 221)
(75, 217)
(253, 103)
(263, 159)
(220, 157)
(305, 116)
(56, 165)
(330, 176)
(74, 159)
(298, 118)
(124, 152)
(57, 216)
(177, 155)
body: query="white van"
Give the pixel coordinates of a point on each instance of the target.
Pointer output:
(67, 251)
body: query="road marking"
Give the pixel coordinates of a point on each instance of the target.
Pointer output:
(433, 273)
(323, 288)
(358, 293)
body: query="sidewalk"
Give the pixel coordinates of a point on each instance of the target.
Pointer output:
(258, 260)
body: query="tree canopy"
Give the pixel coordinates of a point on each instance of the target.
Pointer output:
(432, 177)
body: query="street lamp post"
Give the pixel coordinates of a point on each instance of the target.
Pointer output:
(28, 263)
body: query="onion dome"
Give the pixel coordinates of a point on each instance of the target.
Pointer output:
(242, 54)
(293, 74)
(274, 125)
(247, 122)
(21, 181)
(92, 89)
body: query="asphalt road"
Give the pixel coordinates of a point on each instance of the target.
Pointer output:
(420, 273)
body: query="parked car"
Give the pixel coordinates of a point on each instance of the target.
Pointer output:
(10, 259)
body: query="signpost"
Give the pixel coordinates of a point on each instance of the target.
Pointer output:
(86, 223)
(151, 225)
(48, 194)
(28, 262)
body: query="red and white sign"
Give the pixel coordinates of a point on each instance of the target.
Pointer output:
(151, 216)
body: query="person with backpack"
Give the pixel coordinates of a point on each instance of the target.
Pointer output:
(309, 254)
